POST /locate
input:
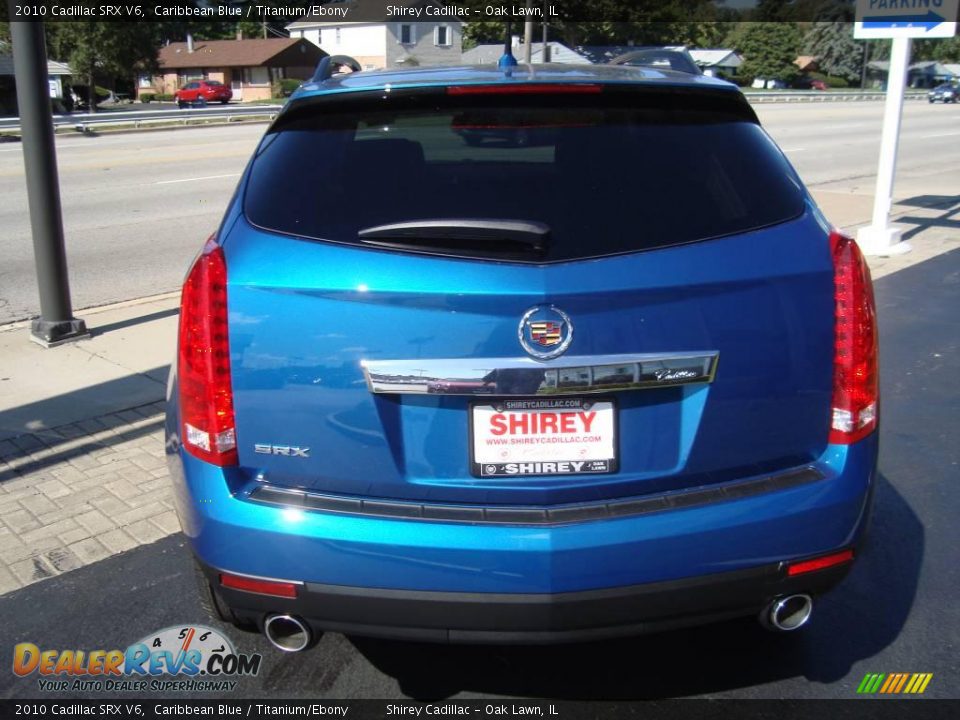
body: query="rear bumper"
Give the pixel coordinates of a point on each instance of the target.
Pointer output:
(463, 581)
(532, 618)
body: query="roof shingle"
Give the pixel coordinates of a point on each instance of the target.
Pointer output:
(226, 53)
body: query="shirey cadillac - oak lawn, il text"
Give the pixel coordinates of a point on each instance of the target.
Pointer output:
(484, 355)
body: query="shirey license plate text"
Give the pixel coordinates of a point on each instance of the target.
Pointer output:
(544, 437)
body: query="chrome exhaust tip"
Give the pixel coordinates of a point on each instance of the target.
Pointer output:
(287, 632)
(787, 613)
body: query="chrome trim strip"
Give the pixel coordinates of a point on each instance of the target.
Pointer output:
(532, 514)
(526, 377)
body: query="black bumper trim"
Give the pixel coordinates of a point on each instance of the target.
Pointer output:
(535, 515)
(534, 618)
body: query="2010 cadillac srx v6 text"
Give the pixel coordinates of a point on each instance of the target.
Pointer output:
(616, 379)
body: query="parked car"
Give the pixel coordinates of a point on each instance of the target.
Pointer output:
(946, 93)
(808, 83)
(653, 386)
(202, 91)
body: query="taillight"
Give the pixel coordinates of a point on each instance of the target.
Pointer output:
(855, 373)
(207, 425)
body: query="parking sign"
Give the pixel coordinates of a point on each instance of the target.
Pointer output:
(915, 19)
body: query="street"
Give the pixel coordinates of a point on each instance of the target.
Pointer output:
(138, 206)
(895, 613)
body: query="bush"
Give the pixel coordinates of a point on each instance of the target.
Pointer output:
(284, 87)
(831, 80)
(163, 97)
(147, 97)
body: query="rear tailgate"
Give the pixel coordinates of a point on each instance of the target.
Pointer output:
(631, 264)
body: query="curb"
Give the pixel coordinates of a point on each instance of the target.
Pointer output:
(97, 309)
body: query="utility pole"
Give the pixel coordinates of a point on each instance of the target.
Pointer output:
(56, 323)
(528, 35)
(545, 56)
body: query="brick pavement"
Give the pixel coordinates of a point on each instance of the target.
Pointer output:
(75, 494)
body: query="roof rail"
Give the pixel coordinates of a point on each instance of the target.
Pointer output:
(330, 64)
(679, 60)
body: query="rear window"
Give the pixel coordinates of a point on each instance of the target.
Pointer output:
(603, 177)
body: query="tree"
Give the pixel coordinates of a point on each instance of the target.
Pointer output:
(945, 50)
(105, 50)
(637, 22)
(837, 53)
(769, 50)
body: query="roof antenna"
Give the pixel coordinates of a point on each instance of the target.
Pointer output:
(507, 61)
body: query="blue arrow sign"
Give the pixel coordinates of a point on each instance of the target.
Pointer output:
(881, 22)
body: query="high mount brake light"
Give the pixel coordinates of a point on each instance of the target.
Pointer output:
(207, 425)
(524, 89)
(855, 363)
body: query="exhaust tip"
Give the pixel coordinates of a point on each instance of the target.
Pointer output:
(787, 613)
(287, 633)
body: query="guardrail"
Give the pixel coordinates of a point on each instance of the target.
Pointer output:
(761, 96)
(138, 118)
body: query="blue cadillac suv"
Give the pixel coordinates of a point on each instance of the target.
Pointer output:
(618, 379)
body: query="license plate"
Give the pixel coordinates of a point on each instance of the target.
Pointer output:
(543, 436)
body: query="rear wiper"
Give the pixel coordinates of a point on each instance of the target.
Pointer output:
(483, 238)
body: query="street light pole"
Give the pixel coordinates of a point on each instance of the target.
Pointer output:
(56, 323)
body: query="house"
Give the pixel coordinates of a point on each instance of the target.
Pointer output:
(433, 39)
(249, 67)
(716, 62)
(487, 54)
(807, 63)
(926, 74)
(57, 74)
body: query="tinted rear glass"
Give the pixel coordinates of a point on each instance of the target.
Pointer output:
(605, 177)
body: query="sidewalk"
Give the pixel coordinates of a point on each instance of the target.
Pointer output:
(82, 469)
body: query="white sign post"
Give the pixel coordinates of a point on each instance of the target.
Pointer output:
(901, 22)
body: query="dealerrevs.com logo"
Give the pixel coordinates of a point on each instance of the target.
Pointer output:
(204, 657)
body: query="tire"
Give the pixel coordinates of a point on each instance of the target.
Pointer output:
(224, 102)
(213, 604)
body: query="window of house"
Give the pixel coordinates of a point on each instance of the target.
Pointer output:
(145, 80)
(406, 34)
(256, 76)
(441, 36)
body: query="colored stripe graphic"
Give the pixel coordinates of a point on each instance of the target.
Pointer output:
(894, 683)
